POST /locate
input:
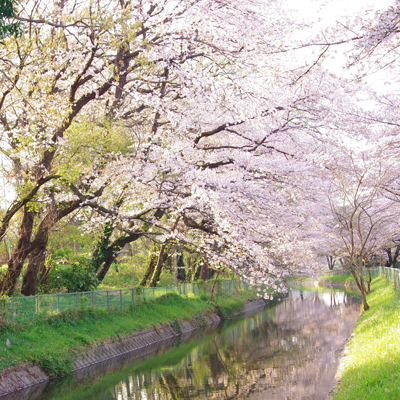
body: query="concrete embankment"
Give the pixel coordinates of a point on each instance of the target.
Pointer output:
(27, 375)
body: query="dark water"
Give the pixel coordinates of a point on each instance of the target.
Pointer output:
(287, 352)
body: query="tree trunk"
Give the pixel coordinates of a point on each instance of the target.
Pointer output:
(36, 262)
(213, 287)
(204, 272)
(369, 280)
(150, 270)
(109, 258)
(162, 256)
(364, 296)
(193, 271)
(112, 251)
(361, 287)
(390, 259)
(21, 251)
(37, 256)
(395, 256)
(331, 262)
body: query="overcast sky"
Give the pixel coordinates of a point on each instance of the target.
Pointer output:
(330, 11)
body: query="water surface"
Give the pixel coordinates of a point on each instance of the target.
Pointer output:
(288, 352)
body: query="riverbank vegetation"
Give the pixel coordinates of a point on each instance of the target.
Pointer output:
(339, 278)
(370, 369)
(54, 342)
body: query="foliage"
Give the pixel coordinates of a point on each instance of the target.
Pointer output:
(78, 276)
(7, 13)
(176, 326)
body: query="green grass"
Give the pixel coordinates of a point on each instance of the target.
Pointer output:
(371, 370)
(338, 278)
(54, 342)
(298, 278)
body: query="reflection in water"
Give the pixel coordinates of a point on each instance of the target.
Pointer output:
(288, 352)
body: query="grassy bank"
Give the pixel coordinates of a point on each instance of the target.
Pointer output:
(339, 278)
(371, 370)
(54, 342)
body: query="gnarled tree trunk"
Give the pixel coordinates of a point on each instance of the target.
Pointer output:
(21, 251)
(37, 253)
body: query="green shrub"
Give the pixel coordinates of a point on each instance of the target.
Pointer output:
(79, 276)
(176, 326)
(55, 366)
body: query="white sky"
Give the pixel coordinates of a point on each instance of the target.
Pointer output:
(321, 14)
(330, 11)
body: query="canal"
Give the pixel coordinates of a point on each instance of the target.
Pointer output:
(287, 352)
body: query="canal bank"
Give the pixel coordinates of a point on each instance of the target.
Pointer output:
(369, 369)
(290, 350)
(178, 315)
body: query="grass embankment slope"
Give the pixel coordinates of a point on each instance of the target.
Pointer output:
(53, 343)
(339, 278)
(371, 370)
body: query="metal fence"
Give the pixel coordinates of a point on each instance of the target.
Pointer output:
(34, 307)
(392, 274)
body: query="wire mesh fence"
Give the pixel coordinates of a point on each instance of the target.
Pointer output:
(29, 308)
(392, 274)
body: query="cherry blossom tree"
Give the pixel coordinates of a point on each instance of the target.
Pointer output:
(361, 212)
(180, 121)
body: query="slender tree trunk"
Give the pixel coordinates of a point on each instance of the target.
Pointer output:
(213, 287)
(369, 280)
(331, 262)
(193, 271)
(21, 251)
(162, 256)
(361, 287)
(109, 258)
(390, 259)
(396, 254)
(150, 270)
(364, 295)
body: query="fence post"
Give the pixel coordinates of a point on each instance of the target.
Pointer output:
(37, 306)
(92, 299)
(133, 297)
(108, 304)
(12, 309)
(58, 302)
(120, 298)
